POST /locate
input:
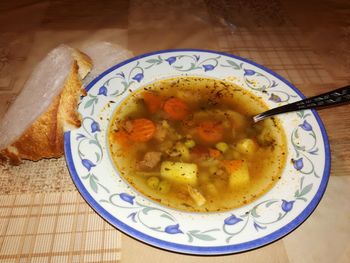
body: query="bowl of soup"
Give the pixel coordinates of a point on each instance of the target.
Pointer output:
(168, 152)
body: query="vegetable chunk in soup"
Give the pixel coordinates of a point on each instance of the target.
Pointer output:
(190, 144)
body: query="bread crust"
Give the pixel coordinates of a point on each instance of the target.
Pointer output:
(44, 138)
(84, 63)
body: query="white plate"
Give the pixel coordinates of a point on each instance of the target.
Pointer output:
(267, 219)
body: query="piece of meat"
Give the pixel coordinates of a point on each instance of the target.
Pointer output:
(200, 152)
(161, 133)
(197, 196)
(150, 160)
(128, 126)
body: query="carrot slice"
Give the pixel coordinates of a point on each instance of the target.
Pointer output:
(142, 130)
(210, 131)
(121, 137)
(232, 165)
(176, 109)
(153, 101)
(214, 153)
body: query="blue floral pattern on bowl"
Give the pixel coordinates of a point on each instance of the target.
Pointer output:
(275, 214)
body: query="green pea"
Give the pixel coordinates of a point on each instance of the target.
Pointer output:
(203, 177)
(213, 169)
(190, 143)
(222, 147)
(211, 189)
(164, 187)
(153, 182)
(236, 155)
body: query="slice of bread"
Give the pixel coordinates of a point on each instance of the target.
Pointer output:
(44, 137)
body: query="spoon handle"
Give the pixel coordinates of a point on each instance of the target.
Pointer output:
(325, 100)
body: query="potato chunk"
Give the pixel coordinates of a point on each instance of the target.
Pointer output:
(247, 146)
(184, 173)
(240, 175)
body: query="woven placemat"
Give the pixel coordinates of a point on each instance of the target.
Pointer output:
(44, 219)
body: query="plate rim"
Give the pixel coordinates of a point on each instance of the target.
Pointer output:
(201, 250)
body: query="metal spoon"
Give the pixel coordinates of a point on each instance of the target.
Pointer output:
(325, 100)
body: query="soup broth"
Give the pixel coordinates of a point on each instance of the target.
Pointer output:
(190, 143)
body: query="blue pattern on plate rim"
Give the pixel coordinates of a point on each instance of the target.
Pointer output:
(233, 220)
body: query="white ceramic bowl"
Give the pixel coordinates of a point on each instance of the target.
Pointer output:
(269, 218)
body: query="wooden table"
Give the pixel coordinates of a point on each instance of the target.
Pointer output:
(43, 218)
